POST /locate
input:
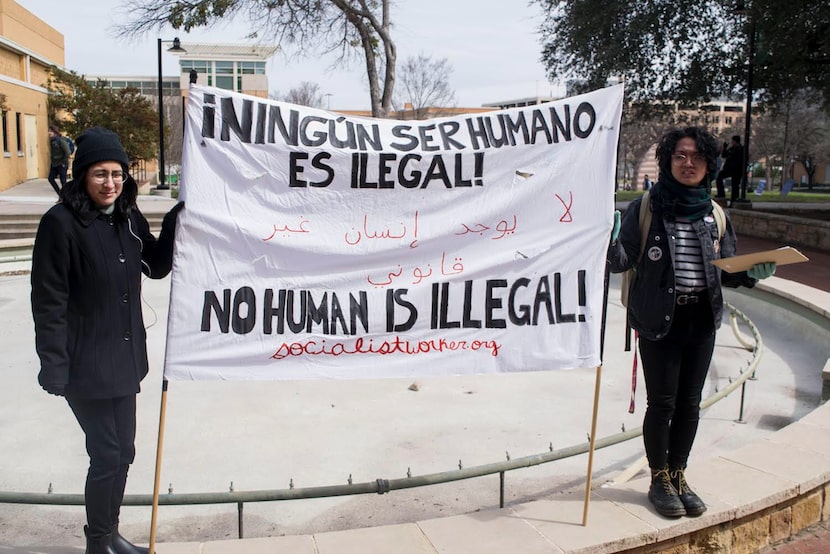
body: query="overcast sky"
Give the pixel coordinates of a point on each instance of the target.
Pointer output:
(492, 46)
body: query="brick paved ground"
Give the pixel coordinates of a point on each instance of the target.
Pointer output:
(814, 273)
(813, 540)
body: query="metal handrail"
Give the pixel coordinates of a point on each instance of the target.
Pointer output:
(382, 486)
(12, 259)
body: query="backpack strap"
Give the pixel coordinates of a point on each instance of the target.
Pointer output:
(645, 223)
(645, 217)
(720, 218)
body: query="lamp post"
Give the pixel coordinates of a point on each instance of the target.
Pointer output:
(742, 9)
(177, 47)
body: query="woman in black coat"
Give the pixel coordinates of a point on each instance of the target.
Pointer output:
(90, 252)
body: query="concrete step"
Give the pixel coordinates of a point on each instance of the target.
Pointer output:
(10, 233)
(25, 226)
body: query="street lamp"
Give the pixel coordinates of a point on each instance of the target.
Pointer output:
(742, 9)
(177, 47)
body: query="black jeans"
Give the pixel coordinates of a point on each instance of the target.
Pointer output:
(675, 369)
(109, 426)
(57, 171)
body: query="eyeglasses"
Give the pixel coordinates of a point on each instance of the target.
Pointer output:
(101, 177)
(681, 158)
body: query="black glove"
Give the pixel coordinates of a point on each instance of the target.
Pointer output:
(168, 224)
(54, 388)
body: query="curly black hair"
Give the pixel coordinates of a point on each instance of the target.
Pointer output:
(706, 145)
(75, 196)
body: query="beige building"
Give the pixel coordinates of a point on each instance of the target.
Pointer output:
(28, 48)
(237, 67)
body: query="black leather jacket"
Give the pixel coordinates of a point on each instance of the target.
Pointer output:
(651, 300)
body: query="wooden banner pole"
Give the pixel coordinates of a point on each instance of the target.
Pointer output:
(154, 518)
(597, 380)
(591, 448)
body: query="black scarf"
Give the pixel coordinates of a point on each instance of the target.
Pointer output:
(690, 203)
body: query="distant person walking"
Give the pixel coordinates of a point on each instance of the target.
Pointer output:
(733, 167)
(58, 158)
(647, 184)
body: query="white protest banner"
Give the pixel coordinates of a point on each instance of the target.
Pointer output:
(318, 245)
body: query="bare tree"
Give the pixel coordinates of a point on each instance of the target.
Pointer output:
(770, 135)
(306, 93)
(810, 135)
(341, 27)
(174, 133)
(424, 83)
(641, 127)
(794, 130)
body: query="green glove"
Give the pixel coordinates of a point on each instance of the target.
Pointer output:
(762, 270)
(615, 232)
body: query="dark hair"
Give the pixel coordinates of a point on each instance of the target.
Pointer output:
(75, 196)
(736, 138)
(54, 129)
(705, 142)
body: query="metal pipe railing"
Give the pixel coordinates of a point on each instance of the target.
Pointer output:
(383, 486)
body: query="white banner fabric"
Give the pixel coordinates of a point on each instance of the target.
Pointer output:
(320, 245)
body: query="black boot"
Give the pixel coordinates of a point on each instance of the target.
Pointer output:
(663, 495)
(98, 545)
(694, 505)
(123, 546)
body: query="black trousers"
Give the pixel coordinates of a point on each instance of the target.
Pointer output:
(675, 369)
(735, 176)
(109, 426)
(57, 172)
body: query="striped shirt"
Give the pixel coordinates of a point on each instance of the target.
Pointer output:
(689, 273)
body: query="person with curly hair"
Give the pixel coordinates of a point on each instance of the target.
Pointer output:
(676, 304)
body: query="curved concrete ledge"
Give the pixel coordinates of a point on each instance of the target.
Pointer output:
(787, 229)
(758, 495)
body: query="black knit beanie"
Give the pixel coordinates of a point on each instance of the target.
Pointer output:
(97, 144)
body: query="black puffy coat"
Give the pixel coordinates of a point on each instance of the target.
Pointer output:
(86, 298)
(651, 300)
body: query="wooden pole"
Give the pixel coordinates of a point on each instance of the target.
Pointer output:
(597, 380)
(591, 448)
(154, 518)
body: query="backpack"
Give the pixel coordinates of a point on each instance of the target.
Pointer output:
(645, 225)
(70, 143)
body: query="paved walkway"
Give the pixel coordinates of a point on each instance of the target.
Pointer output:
(327, 431)
(815, 540)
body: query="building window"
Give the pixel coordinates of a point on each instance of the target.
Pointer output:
(251, 68)
(224, 75)
(224, 81)
(6, 133)
(147, 88)
(17, 133)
